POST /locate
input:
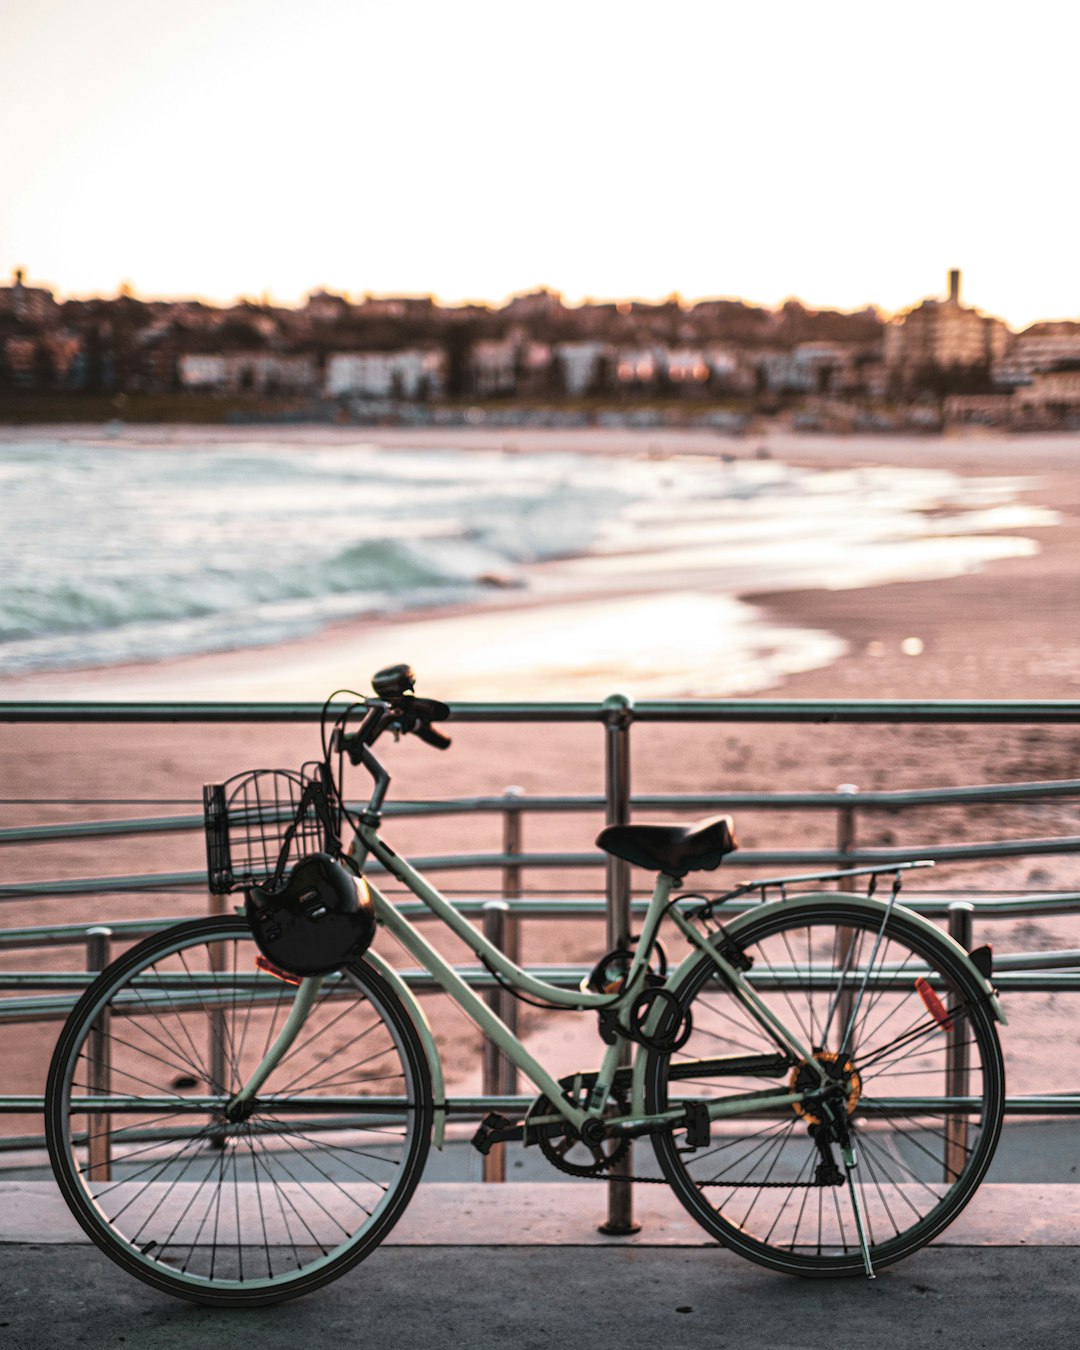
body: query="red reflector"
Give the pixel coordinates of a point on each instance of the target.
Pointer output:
(276, 971)
(934, 1005)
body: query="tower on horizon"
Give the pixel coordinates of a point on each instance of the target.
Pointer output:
(954, 285)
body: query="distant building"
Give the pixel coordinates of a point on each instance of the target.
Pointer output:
(687, 366)
(811, 368)
(944, 334)
(201, 370)
(412, 373)
(326, 307)
(582, 364)
(1039, 348)
(31, 304)
(493, 367)
(21, 356)
(242, 372)
(1051, 397)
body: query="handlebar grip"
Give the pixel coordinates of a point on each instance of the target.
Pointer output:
(430, 736)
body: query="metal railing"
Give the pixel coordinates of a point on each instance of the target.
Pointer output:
(501, 918)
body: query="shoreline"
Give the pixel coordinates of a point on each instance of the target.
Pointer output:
(826, 628)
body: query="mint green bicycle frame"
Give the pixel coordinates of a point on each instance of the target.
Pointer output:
(447, 978)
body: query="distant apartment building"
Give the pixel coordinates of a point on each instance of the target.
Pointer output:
(240, 372)
(31, 304)
(1039, 348)
(582, 364)
(1050, 397)
(412, 373)
(810, 368)
(944, 334)
(726, 371)
(493, 365)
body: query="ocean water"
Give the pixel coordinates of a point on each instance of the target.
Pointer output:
(128, 550)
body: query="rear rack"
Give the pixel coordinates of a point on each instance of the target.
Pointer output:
(781, 883)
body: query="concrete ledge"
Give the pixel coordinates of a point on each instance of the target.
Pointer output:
(567, 1214)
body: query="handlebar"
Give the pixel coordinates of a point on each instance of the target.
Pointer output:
(404, 714)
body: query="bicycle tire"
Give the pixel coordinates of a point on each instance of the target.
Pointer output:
(753, 1187)
(247, 1213)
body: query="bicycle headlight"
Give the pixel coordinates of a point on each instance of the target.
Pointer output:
(322, 917)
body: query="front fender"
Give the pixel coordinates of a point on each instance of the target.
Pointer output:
(427, 1039)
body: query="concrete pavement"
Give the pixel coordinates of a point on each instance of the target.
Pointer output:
(523, 1266)
(535, 1298)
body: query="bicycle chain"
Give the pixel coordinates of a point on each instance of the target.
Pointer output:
(604, 1175)
(756, 1185)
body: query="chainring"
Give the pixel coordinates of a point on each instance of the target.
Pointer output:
(561, 1144)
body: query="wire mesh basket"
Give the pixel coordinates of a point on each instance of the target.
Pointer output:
(260, 823)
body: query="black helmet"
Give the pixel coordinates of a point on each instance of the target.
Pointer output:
(319, 920)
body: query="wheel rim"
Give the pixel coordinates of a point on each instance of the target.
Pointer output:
(305, 1183)
(922, 1141)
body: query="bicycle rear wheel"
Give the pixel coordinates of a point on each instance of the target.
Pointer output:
(266, 1208)
(922, 1076)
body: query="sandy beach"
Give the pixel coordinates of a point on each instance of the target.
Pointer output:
(1006, 630)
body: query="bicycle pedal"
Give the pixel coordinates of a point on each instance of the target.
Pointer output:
(496, 1129)
(698, 1127)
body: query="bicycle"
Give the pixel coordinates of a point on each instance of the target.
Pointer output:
(820, 1078)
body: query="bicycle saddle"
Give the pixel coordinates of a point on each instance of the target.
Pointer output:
(674, 849)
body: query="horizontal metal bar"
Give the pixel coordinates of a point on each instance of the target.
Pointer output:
(465, 862)
(49, 1007)
(1056, 1104)
(894, 800)
(665, 710)
(524, 907)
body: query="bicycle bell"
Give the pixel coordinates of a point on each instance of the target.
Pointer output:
(322, 918)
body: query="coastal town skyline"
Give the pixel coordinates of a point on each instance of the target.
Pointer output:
(471, 151)
(939, 362)
(360, 295)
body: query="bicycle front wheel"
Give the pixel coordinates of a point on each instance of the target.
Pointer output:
(902, 1028)
(253, 1211)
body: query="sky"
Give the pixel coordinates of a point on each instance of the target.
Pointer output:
(845, 154)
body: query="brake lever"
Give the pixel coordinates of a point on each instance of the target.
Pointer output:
(430, 736)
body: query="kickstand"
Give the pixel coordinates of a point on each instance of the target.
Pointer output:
(849, 1164)
(838, 1116)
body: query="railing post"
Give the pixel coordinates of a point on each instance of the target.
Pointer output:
(511, 945)
(495, 916)
(957, 1074)
(845, 830)
(99, 1136)
(216, 1027)
(845, 843)
(619, 714)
